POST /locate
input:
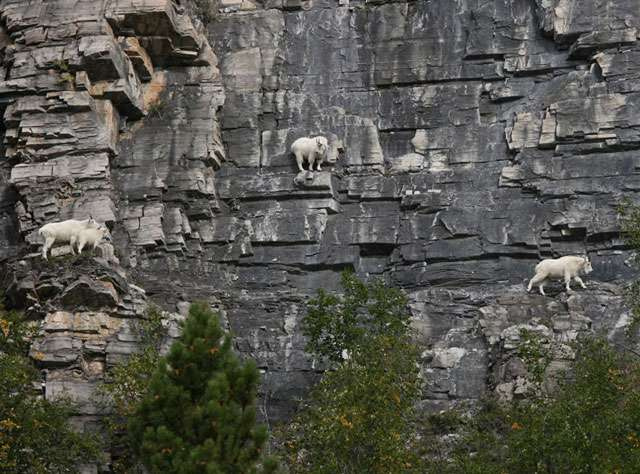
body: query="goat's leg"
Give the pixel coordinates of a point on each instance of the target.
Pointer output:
(537, 278)
(567, 281)
(81, 243)
(580, 282)
(72, 243)
(48, 243)
(299, 160)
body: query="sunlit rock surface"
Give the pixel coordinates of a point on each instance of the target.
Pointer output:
(467, 140)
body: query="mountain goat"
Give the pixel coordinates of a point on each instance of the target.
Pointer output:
(566, 267)
(71, 231)
(313, 149)
(90, 236)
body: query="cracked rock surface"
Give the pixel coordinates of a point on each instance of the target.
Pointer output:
(476, 138)
(467, 140)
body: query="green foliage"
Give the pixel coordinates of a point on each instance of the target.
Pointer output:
(61, 65)
(633, 299)
(445, 422)
(128, 383)
(66, 76)
(35, 437)
(591, 425)
(207, 10)
(536, 353)
(351, 322)
(198, 414)
(438, 434)
(359, 417)
(156, 108)
(630, 223)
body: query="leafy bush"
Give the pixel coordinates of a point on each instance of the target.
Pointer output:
(127, 384)
(207, 10)
(630, 224)
(198, 413)
(591, 425)
(35, 436)
(537, 352)
(359, 417)
(64, 70)
(347, 324)
(155, 109)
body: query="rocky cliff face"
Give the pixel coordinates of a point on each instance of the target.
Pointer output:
(477, 137)
(467, 140)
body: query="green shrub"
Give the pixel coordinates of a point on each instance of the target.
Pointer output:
(359, 417)
(156, 109)
(207, 10)
(350, 322)
(35, 436)
(127, 384)
(591, 425)
(536, 351)
(64, 69)
(630, 225)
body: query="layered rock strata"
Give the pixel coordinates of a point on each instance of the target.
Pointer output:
(477, 138)
(89, 90)
(467, 139)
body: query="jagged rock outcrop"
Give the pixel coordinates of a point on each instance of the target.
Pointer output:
(86, 87)
(470, 139)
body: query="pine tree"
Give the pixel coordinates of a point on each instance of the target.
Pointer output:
(199, 414)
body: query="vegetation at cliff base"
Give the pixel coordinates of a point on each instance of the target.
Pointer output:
(630, 223)
(590, 425)
(359, 416)
(35, 434)
(198, 414)
(126, 385)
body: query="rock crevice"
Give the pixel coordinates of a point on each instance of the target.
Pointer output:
(467, 141)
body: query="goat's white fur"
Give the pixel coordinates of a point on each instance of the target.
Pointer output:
(71, 231)
(314, 149)
(566, 267)
(90, 236)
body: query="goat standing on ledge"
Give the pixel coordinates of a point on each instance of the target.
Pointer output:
(567, 267)
(72, 231)
(314, 150)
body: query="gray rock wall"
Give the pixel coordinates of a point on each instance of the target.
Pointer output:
(109, 111)
(467, 140)
(477, 137)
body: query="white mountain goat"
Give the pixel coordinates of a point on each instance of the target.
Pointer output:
(90, 236)
(313, 149)
(566, 267)
(71, 231)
